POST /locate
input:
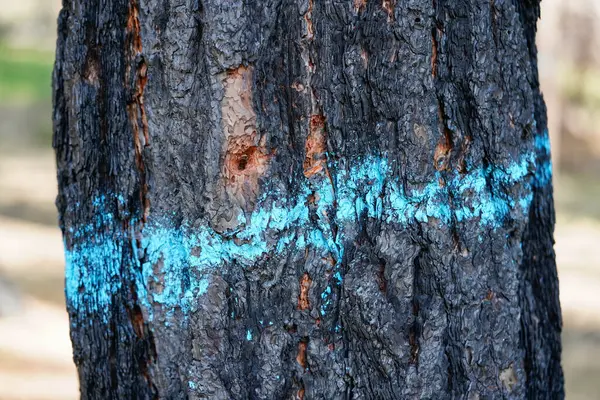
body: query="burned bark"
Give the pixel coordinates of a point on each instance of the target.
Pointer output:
(306, 199)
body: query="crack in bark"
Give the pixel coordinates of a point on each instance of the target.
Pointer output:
(136, 109)
(434, 52)
(414, 330)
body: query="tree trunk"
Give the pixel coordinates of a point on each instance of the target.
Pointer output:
(324, 199)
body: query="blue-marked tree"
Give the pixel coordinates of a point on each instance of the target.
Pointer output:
(312, 199)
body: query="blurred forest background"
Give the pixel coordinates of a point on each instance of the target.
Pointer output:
(35, 350)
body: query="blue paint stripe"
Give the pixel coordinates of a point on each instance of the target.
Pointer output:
(180, 260)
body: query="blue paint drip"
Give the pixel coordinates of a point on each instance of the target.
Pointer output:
(248, 335)
(180, 259)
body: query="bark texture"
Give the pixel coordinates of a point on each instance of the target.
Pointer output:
(280, 199)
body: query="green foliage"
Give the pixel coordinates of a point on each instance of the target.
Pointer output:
(25, 75)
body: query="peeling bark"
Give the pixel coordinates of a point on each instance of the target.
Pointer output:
(306, 199)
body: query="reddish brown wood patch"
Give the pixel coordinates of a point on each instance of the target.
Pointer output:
(359, 5)
(315, 160)
(388, 6)
(310, 32)
(301, 356)
(136, 109)
(440, 156)
(303, 299)
(246, 157)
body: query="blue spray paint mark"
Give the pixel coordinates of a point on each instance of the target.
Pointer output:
(325, 297)
(248, 335)
(97, 284)
(542, 142)
(543, 174)
(338, 277)
(180, 260)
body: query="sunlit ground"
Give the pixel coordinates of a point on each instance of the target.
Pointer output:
(35, 354)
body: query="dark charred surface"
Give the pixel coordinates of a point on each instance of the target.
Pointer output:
(194, 116)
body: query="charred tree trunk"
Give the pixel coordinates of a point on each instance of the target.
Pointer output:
(306, 199)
